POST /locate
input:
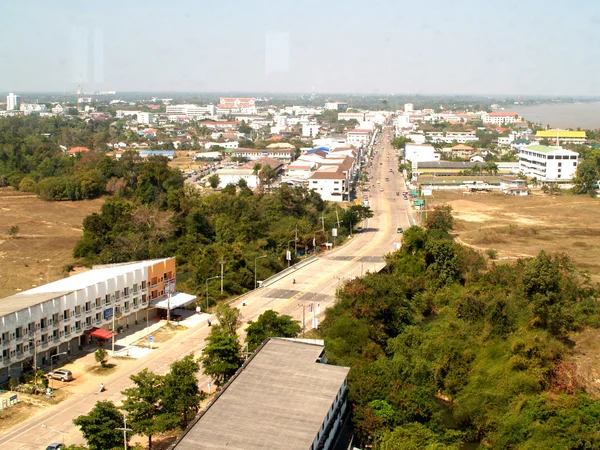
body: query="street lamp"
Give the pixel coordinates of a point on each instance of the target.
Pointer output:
(207, 280)
(255, 261)
(57, 431)
(52, 361)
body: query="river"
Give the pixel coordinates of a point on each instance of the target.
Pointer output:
(562, 115)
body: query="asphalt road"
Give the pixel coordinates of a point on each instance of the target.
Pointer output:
(315, 282)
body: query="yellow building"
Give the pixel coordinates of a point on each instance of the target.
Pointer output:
(562, 136)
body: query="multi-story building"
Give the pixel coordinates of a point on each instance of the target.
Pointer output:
(548, 163)
(498, 118)
(191, 111)
(144, 117)
(13, 102)
(285, 155)
(66, 314)
(310, 129)
(332, 179)
(557, 137)
(358, 116)
(408, 107)
(460, 137)
(420, 153)
(358, 137)
(32, 108)
(303, 408)
(336, 106)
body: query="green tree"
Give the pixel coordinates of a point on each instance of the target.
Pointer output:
(27, 185)
(214, 180)
(100, 355)
(181, 396)
(440, 219)
(100, 427)
(13, 231)
(586, 177)
(221, 357)
(270, 324)
(267, 175)
(145, 405)
(229, 318)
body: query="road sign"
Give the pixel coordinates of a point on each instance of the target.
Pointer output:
(334, 232)
(151, 339)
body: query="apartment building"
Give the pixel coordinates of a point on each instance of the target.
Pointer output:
(460, 137)
(285, 155)
(13, 102)
(66, 314)
(332, 179)
(358, 137)
(548, 163)
(358, 116)
(498, 118)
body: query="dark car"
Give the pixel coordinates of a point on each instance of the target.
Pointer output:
(399, 230)
(55, 446)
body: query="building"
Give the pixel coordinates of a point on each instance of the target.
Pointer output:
(63, 315)
(332, 179)
(58, 109)
(415, 153)
(32, 108)
(498, 118)
(283, 397)
(557, 137)
(548, 163)
(449, 137)
(442, 168)
(358, 137)
(408, 107)
(191, 111)
(285, 155)
(513, 186)
(230, 105)
(310, 130)
(336, 106)
(145, 118)
(358, 116)
(167, 153)
(77, 151)
(13, 102)
(232, 144)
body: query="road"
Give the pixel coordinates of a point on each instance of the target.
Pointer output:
(315, 282)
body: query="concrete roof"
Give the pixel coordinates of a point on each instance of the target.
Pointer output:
(278, 400)
(40, 294)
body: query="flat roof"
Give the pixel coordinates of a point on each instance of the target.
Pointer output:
(41, 294)
(561, 133)
(546, 149)
(278, 400)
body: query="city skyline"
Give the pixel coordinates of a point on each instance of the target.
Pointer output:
(432, 49)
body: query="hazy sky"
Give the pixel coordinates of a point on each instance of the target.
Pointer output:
(532, 47)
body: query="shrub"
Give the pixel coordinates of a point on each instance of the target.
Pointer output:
(492, 253)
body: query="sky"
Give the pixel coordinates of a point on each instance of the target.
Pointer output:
(427, 47)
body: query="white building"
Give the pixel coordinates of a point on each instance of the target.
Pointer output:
(358, 137)
(13, 102)
(232, 144)
(285, 155)
(408, 107)
(420, 153)
(234, 175)
(336, 106)
(332, 179)
(498, 118)
(191, 111)
(460, 137)
(66, 314)
(32, 108)
(310, 130)
(548, 163)
(358, 116)
(377, 117)
(144, 117)
(58, 109)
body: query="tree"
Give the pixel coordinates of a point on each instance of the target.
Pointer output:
(440, 219)
(27, 185)
(100, 355)
(181, 395)
(267, 175)
(587, 176)
(100, 427)
(145, 405)
(221, 357)
(270, 324)
(229, 318)
(214, 180)
(242, 183)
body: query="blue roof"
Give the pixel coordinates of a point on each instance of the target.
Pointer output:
(325, 149)
(158, 152)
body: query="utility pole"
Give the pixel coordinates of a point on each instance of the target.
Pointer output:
(168, 303)
(303, 318)
(125, 430)
(296, 242)
(114, 313)
(222, 264)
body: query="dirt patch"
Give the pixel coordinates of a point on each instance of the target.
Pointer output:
(160, 336)
(523, 226)
(587, 363)
(43, 247)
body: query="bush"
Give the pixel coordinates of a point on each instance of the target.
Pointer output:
(492, 253)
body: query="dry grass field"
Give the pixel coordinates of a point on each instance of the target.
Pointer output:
(44, 244)
(522, 226)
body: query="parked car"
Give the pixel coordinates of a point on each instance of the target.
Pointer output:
(55, 446)
(62, 375)
(399, 230)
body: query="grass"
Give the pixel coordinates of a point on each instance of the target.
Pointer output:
(523, 226)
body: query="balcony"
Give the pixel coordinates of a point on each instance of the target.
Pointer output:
(44, 328)
(78, 314)
(5, 342)
(55, 338)
(68, 334)
(44, 344)
(136, 306)
(89, 325)
(98, 321)
(19, 338)
(56, 324)
(66, 319)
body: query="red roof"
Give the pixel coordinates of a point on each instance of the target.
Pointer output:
(100, 333)
(74, 150)
(503, 114)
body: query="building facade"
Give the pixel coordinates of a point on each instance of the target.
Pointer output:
(64, 315)
(13, 102)
(548, 163)
(498, 118)
(557, 137)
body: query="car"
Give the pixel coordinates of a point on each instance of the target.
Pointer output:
(397, 192)
(62, 375)
(359, 229)
(399, 230)
(380, 189)
(387, 179)
(55, 446)
(378, 181)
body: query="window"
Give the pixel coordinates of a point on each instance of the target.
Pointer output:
(559, 164)
(66, 315)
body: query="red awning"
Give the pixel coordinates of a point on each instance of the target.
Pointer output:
(100, 333)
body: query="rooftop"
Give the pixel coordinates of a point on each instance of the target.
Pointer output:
(561, 134)
(279, 399)
(547, 149)
(40, 294)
